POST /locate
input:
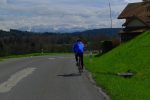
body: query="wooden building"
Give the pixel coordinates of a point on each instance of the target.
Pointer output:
(137, 16)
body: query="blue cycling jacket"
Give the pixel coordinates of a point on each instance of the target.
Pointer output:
(78, 47)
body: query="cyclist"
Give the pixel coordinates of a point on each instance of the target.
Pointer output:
(78, 48)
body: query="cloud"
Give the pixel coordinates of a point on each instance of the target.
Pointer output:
(130, 1)
(3, 2)
(59, 14)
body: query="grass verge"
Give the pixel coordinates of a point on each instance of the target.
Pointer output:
(133, 56)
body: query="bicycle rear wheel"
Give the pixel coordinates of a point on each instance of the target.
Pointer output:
(80, 66)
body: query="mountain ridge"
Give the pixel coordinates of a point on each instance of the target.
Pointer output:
(106, 31)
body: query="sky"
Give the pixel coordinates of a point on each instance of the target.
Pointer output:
(60, 15)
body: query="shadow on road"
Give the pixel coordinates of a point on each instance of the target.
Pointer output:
(70, 75)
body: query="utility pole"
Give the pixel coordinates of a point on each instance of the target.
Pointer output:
(42, 51)
(110, 10)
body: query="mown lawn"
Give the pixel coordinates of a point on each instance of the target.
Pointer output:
(134, 57)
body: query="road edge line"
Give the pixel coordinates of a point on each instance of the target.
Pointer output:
(100, 90)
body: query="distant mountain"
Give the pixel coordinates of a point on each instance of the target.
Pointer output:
(103, 31)
(110, 32)
(61, 29)
(57, 29)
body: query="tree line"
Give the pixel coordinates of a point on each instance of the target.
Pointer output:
(23, 42)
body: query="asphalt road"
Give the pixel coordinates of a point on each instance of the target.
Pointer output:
(45, 78)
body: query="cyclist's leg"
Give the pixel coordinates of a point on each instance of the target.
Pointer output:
(76, 57)
(81, 59)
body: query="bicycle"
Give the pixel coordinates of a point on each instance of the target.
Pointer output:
(79, 64)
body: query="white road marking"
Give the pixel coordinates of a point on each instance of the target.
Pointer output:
(65, 57)
(51, 58)
(14, 79)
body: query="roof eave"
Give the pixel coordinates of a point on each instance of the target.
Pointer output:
(124, 17)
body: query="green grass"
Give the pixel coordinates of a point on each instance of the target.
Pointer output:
(32, 54)
(134, 56)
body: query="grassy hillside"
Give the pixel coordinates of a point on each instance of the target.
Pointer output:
(133, 56)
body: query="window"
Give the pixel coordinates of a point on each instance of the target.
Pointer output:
(148, 8)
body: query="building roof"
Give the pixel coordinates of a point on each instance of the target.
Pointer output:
(140, 10)
(138, 18)
(132, 31)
